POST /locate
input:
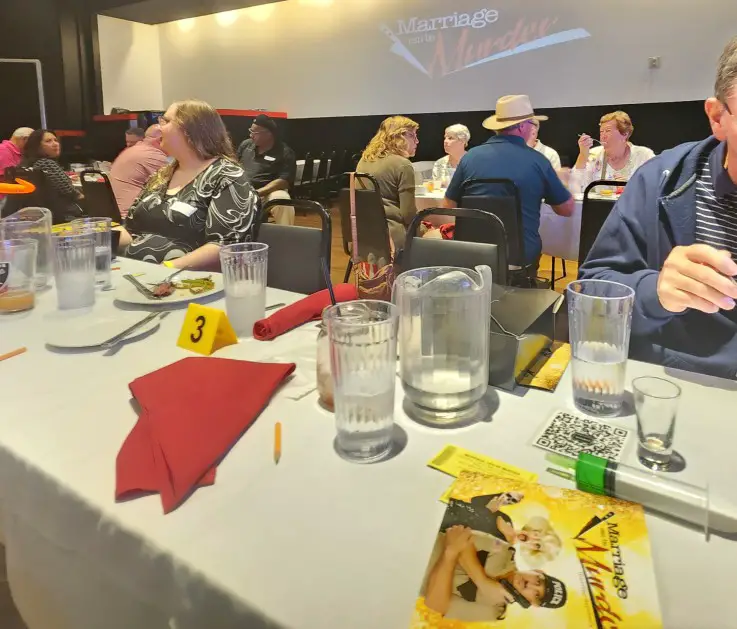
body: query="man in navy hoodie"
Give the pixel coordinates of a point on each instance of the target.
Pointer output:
(672, 236)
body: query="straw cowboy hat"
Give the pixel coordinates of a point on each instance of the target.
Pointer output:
(511, 110)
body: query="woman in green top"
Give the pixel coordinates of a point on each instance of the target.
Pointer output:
(386, 158)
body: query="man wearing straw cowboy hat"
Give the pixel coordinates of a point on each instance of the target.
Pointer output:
(507, 156)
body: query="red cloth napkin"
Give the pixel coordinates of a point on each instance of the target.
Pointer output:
(192, 413)
(308, 309)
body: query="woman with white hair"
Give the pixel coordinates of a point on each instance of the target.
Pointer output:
(455, 143)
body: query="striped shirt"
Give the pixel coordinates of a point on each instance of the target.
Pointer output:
(716, 204)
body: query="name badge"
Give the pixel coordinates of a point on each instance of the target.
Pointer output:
(183, 208)
(268, 158)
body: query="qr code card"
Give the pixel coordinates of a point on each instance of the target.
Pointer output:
(569, 435)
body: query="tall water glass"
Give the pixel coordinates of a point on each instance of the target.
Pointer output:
(100, 228)
(599, 320)
(74, 269)
(17, 270)
(34, 223)
(244, 268)
(656, 405)
(363, 358)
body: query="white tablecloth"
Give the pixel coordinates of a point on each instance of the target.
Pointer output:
(314, 542)
(559, 234)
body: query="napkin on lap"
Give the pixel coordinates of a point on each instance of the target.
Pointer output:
(192, 413)
(308, 309)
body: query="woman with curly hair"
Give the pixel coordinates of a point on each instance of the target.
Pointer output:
(196, 204)
(386, 158)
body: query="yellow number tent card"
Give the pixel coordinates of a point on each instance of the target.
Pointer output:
(205, 330)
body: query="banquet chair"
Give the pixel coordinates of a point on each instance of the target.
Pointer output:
(371, 226)
(421, 252)
(303, 188)
(99, 198)
(319, 187)
(507, 206)
(593, 214)
(40, 197)
(296, 254)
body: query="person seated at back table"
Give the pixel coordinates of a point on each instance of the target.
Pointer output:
(42, 152)
(455, 143)
(534, 142)
(135, 166)
(386, 158)
(616, 159)
(270, 166)
(507, 156)
(671, 237)
(11, 151)
(196, 204)
(133, 136)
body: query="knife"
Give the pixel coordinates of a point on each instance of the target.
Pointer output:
(141, 288)
(128, 331)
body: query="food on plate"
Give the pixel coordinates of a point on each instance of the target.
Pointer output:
(196, 286)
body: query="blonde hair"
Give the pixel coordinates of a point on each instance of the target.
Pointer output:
(205, 133)
(389, 139)
(622, 120)
(549, 541)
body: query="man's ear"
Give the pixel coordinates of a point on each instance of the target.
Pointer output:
(715, 112)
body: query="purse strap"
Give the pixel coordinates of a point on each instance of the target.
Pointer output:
(354, 230)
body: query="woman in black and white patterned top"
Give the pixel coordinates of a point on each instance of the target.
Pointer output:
(196, 204)
(41, 152)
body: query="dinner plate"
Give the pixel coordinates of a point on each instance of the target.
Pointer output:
(128, 293)
(84, 329)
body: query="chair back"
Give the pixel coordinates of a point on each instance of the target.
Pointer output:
(296, 254)
(421, 252)
(507, 206)
(594, 212)
(40, 197)
(308, 172)
(371, 225)
(99, 198)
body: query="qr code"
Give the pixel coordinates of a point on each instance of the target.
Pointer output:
(569, 435)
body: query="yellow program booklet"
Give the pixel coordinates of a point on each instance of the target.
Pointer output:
(520, 555)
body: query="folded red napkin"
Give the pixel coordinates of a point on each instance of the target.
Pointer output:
(192, 413)
(308, 309)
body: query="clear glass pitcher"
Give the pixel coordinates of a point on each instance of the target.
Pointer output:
(32, 223)
(444, 317)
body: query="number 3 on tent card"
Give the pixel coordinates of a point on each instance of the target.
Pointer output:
(205, 330)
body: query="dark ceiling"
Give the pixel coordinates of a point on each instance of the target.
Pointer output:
(160, 11)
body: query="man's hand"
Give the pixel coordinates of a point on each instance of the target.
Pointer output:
(457, 538)
(698, 277)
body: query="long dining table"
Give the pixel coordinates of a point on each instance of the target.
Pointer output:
(314, 542)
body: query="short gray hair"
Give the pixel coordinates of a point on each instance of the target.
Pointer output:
(460, 131)
(726, 72)
(22, 132)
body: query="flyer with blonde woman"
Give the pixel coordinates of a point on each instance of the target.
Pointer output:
(523, 556)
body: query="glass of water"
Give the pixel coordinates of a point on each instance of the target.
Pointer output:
(656, 405)
(244, 268)
(363, 357)
(74, 269)
(100, 228)
(599, 321)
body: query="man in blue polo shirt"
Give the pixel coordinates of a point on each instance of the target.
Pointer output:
(507, 156)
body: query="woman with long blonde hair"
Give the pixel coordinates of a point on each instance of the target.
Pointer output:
(386, 158)
(197, 203)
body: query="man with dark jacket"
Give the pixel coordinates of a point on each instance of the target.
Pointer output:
(672, 236)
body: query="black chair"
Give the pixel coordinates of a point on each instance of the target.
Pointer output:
(296, 254)
(319, 188)
(593, 214)
(371, 226)
(421, 252)
(303, 188)
(99, 198)
(42, 196)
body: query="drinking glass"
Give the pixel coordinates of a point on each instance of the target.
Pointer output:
(74, 269)
(656, 405)
(17, 271)
(599, 320)
(363, 357)
(33, 223)
(244, 268)
(100, 228)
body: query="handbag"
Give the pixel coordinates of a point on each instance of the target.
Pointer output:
(373, 281)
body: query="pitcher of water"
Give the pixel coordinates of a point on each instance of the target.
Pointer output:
(32, 223)
(444, 317)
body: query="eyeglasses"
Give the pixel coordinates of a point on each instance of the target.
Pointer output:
(255, 131)
(726, 107)
(412, 135)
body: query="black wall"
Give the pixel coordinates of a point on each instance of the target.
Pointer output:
(658, 126)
